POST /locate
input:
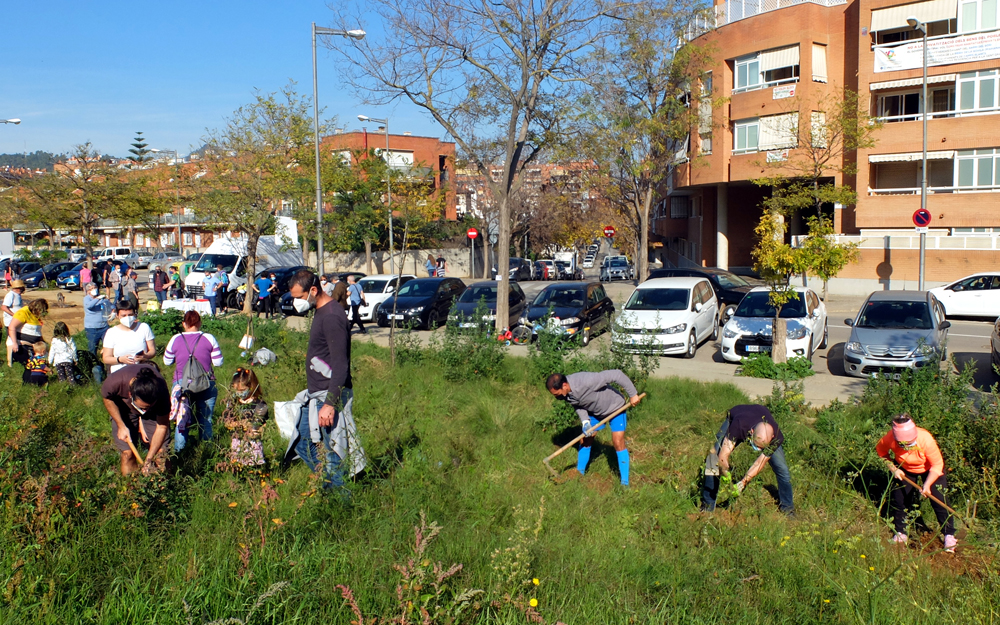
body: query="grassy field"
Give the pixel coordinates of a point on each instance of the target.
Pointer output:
(80, 544)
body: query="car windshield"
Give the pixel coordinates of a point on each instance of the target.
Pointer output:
(514, 262)
(226, 261)
(560, 298)
(658, 299)
(373, 286)
(53, 267)
(78, 267)
(618, 263)
(758, 304)
(730, 280)
(416, 288)
(897, 315)
(475, 293)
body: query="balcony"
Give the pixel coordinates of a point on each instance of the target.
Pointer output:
(735, 10)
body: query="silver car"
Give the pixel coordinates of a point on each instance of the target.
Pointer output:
(895, 331)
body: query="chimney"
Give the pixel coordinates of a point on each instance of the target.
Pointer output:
(407, 133)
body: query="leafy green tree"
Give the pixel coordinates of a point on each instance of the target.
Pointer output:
(775, 261)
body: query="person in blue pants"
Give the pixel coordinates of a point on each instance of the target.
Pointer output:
(593, 395)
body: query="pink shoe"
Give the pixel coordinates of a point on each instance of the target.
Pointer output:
(900, 538)
(950, 543)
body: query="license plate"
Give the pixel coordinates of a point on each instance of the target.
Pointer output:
(758, 348)
(397, 317)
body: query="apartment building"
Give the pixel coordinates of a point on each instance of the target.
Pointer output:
(776, 59)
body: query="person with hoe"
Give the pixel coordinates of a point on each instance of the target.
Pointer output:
(755, 425)
(593, 398)
(138, 403)
(915, 455)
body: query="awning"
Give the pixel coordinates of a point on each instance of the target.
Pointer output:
(931, 11)
(911, 156)
(782, 57)
(912, 82)
(819, 63)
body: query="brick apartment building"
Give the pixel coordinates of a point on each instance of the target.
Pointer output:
(406, 152)
(775, 55)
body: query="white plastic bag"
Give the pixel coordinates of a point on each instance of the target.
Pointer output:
(286, 416)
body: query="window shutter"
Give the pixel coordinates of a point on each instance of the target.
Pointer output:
(819, 63)
(778, 131)
(776, 59)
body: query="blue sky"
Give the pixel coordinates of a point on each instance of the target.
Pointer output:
(99, 71)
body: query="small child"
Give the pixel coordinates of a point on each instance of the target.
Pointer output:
(37, 369)
(62, 356)
(245, 415)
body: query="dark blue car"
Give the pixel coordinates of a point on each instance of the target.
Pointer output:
(44, 277)
(423, 302)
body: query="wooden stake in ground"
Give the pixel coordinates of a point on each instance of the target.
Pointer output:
(589, 432)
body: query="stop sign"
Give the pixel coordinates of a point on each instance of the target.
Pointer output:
(609, 231)
(473, 233)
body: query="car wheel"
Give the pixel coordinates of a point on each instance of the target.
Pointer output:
(433, 320)
(692, 347)
(826, 337)
(715, 332)
(585, 337)
(382, 323)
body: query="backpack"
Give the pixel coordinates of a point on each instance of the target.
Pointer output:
(194, 378)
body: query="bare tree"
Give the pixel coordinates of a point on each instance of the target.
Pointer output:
(497, 75)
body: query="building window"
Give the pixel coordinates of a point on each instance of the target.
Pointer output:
(974, 15)
(747, 73)
(188, 239)
(819, 63)
(705, 115)
(680, 207)
(746, 133)
(778, 131)
(978, 169)
(899, 107)
(977, 91)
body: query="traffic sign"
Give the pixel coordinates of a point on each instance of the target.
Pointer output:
(609, 231)
(921, 218)
(473, 233)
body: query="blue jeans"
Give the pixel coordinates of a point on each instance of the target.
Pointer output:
(204, 407)
(309, 452)
(710, 489)
(160, 296)
(211, 302)
(95, 336)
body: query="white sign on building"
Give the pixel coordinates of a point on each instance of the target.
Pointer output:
(948, 51)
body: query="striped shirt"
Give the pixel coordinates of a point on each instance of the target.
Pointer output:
(206, 351)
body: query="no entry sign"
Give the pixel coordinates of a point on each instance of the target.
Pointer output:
(609, 231)
(921, 218)
(473, 233)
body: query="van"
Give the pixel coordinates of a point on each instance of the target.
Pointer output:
(114, 253)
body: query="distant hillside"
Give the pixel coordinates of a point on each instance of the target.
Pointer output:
(34, 160)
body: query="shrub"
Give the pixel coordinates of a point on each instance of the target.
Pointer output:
(761, 366)
(163, 323)
(474, 352)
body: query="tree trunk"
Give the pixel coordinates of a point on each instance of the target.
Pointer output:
(392, 320)
(642, 262)
(503, 261)
(251, 272)
(368, 255)
(779, 332)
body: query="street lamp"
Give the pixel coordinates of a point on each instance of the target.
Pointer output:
(14, 121)
(177, 195)
(388, 184)
(319, 30)
(916, 24)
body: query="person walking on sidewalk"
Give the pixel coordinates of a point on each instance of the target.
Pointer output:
(593, 398)
(917, 456)
(755, 425)
(356, 298)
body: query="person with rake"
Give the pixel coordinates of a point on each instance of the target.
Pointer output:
(916, 455)
(755, 425)
(593, 398)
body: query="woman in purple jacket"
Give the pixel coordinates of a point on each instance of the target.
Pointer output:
(207, 352)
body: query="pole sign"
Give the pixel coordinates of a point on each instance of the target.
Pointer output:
(609, 231)
(473, 233)
(921, 218)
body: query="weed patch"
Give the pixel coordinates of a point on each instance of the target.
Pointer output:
(762, 366)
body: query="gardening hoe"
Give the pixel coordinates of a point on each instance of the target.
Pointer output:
(933, 498)
(589, 432)
(135, 452)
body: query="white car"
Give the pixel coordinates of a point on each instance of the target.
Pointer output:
(749, 330)
(668, 316)
(977, 295)
(588, 261)
(377, 289)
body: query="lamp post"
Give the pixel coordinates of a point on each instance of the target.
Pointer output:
(388, 184)
(319, 30)
(916, 24)
(14, 121)
(177, 195)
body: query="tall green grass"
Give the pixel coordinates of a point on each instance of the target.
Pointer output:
(80, 544)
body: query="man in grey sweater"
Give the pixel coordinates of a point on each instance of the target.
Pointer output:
(594, 399)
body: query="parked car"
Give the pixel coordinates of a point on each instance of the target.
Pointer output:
(977, 295)
(463, 313)
(749, 330)
(588, 261)
(539, 270)
(27, 267)
(70, 280)
(995, 343)
(44, 277)
(164, 259)
(729, 288)
(617, 269)
(76, 254)
(143, 257)
(668, 316)
(281, 276)
(551, 270)
(895, 331)
(194, 256)
(114, 253)
(593, 248)
(520, 269)
(573, 309)
(424, 302)
(377, 289)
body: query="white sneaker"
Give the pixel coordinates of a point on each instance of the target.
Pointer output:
(950, 543)
(900, 538)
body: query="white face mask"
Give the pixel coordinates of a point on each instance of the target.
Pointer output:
(127, 320)
(93, 292)
(302, 305)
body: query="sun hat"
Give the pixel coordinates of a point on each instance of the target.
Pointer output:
(17, 284)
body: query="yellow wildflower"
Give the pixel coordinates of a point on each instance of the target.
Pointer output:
(533, 603)
(232, 505)
(535, 581)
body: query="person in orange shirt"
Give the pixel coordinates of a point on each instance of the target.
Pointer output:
(916, 455)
